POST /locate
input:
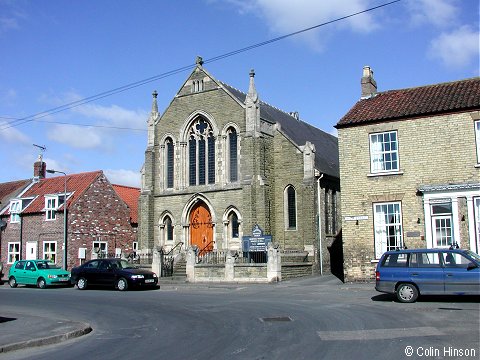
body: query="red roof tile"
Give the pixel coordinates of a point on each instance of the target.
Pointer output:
(428, 100)
(76, 184)
(130, 195)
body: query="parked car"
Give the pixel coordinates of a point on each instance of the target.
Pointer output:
(112, 272)
(37, 272)
(414, 272)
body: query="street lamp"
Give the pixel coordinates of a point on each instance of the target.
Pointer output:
(50, 171)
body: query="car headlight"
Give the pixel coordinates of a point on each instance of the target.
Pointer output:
(155, 275)
(52, 276)
(137, 276)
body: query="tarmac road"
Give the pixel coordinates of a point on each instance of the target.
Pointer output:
(310, 318)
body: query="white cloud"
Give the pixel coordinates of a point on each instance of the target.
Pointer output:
(76, 136)
(286, 16)
(114, 115)
(440, 13)
(123, 177)
(12, 134)
(459, 47)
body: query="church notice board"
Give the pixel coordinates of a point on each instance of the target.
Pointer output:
(257, 242)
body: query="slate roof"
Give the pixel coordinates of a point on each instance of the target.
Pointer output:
(326, 145)
(10, 190)
(462, 95)
(130, 195)
(76, 184)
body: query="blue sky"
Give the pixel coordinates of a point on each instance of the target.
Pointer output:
(55, 52)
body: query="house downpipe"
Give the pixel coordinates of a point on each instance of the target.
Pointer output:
(320, 247)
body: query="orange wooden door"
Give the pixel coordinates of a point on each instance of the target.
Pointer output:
(201, 228)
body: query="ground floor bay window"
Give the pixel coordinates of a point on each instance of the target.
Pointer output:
(387, 219)
(452, 215)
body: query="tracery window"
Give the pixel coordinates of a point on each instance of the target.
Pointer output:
(201, 153)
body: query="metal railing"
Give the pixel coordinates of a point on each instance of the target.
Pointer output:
(167, 260)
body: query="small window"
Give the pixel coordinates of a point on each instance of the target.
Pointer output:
(50, 251)
(234, 225)
(13, 252)
(384, 152)
(99, 249)
(20, 265)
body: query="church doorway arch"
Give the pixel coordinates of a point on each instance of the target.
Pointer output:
(201, 228)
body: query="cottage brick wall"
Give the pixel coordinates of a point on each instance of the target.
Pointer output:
(98, 214)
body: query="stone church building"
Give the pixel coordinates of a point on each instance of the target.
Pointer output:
(220, 161)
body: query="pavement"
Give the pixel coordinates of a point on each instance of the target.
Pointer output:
(21, 331)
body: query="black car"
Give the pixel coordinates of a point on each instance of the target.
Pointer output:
(112, 272)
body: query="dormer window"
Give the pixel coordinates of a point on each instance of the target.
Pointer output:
(15, 209)
(52, 203)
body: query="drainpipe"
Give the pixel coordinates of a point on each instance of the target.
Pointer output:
(320, 225)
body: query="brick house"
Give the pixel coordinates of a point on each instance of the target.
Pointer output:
(220, 161)
(99, 220)
(410, 171)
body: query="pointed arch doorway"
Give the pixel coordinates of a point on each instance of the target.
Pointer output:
(201, 228)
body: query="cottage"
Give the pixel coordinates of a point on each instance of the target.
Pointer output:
(100, 220)
(410, 171)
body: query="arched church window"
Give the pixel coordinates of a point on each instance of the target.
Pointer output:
(233, 225)
(201, 152)
(232, 153)
(169, 149)
(291, 207)
(168, 228)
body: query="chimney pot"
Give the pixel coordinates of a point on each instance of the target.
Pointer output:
(369, 85)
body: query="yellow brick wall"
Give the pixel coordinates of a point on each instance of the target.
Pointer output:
(432, 151)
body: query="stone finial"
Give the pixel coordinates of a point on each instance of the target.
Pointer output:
(252, 91)
(369, 85)
(154, 102)
(199, 61)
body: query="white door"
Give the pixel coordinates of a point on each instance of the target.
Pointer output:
(442, 231)
(31, 251)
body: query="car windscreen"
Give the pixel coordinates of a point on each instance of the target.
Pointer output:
(124, 264)
(42, 265)
(473, 255)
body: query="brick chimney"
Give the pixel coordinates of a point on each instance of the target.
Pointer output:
(369, 85)
(40, 168)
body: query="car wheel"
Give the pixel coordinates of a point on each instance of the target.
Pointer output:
(407, 293)
(122, 284)
(12, 282)
(82, 283)
(41, 283)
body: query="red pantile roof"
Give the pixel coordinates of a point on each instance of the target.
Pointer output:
(76, 184)
(428, 100)
(130, 195)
